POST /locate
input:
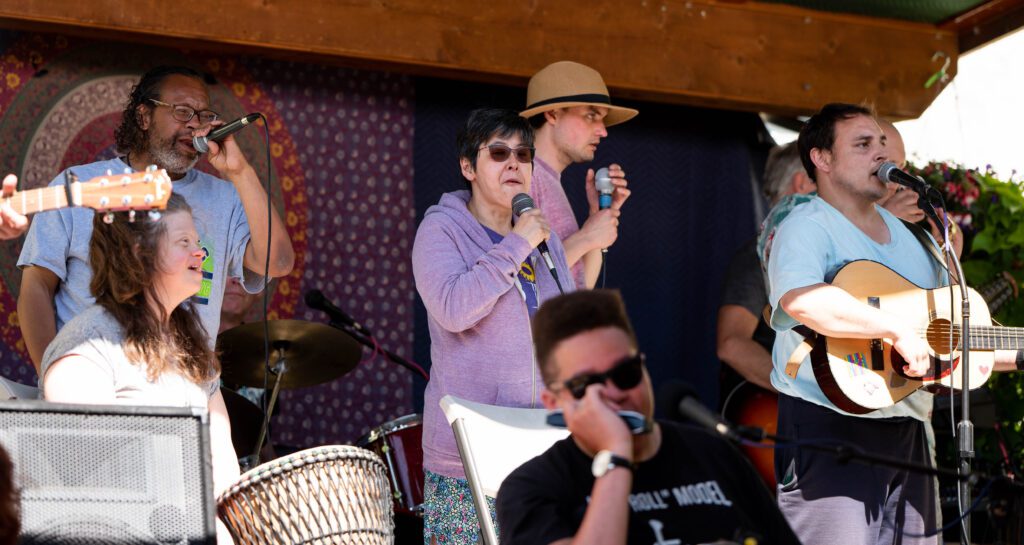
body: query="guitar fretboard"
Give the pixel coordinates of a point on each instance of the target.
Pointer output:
(995, 337)
(31, 201)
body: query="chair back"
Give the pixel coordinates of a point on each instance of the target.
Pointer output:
(493, 442)
(16, 390)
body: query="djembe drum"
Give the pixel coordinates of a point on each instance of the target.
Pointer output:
(324, 495)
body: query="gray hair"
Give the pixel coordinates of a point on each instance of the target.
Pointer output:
(783, 162)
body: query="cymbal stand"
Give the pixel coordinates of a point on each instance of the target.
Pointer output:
(277, 370)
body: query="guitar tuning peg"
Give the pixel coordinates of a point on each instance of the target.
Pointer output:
(131, 216)
(154, 215)
(127, 170)
(151, 168)
(108, 218)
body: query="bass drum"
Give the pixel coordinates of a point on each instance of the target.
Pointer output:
(399, 443)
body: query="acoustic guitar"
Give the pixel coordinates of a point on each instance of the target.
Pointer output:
(863, 375)
(751, 405)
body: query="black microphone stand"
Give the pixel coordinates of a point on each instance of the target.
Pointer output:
(928, 197)
(365, 338)
(847, 453)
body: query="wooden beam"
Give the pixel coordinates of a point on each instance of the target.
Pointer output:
(988, 21)
(736, 55)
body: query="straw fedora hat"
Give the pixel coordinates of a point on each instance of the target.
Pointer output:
(564, 84)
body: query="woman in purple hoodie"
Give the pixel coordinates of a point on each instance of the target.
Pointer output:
(481, 279)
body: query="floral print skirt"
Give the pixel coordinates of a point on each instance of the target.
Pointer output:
(449, 515)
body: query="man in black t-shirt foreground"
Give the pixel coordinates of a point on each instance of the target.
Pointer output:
(671, 485)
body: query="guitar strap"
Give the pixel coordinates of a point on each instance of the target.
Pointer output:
(797, 357)
(810, 336)
(922, 236)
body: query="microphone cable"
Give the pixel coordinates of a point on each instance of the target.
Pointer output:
(266, 280)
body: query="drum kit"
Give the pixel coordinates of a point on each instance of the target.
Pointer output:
(328, 494)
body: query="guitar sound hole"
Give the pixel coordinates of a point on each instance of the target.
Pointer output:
(938, 336)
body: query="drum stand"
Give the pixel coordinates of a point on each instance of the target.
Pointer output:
(277, 370)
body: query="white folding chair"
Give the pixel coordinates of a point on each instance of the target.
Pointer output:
(494, 441)
(16, 390)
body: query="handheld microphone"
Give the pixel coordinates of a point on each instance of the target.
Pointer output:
(889, 172)
(222, 132)
(681, 403)
(316, 300)
(521, 204)
(637, 423)
(605, 188)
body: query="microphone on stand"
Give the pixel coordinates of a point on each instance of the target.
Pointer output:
(889, 172)
(928, 197)
(222, 132)
(681, 403)
(316, 300)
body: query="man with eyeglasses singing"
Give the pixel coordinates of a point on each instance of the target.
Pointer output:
(669, 484)
(167, 107)
(568, 106)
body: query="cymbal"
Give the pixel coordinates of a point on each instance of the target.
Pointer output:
(246, 420)
(303, 353)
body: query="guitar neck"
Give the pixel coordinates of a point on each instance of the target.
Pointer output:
(996, 338)
(31, 201)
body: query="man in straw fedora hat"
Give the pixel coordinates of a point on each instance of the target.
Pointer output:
(570, 110)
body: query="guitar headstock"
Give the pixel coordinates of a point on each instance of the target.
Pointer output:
(1000, 290)
(147, 190)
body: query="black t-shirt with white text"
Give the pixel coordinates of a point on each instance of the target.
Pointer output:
(696, 489)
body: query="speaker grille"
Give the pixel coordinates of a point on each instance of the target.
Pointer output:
(113, 475)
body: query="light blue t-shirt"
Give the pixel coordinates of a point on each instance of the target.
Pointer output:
(59, 241)
(811, 246)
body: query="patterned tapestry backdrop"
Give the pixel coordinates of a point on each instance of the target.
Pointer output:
(341, 156)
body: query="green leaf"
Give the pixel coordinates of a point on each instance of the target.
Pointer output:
(979, 271)
(984, 241)
(1016, 238)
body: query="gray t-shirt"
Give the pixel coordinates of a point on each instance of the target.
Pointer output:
(59, 241)
(96, 336)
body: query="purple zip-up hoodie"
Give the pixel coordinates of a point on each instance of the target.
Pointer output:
(481, 347)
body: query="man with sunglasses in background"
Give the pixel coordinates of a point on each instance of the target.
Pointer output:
(663, 483)
(568, 106)
(167, 107)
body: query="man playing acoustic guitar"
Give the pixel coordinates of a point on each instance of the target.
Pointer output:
(842, 147)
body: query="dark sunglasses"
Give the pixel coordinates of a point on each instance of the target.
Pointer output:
(500, 153)
(625, 375)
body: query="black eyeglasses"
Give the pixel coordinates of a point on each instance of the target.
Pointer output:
(183, 113)
(500, 153)
(625, 375)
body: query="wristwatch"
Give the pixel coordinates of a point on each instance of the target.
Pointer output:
(605, 461)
